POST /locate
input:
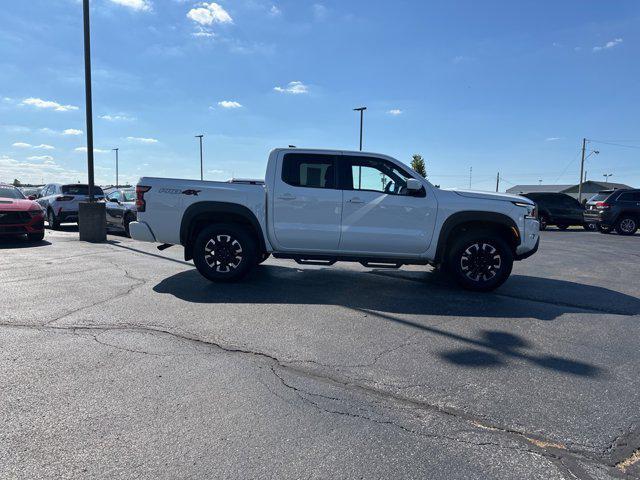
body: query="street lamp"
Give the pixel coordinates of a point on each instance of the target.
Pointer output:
(116, 150)
(361, 110)
(606, 177)
(201, 167)
(91, 214)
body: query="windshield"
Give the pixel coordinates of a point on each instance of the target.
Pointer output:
(600, 197)
(10, 192)
(129, 195)
(80, 189)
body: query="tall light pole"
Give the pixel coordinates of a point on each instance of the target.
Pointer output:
(91, 215)
(201, 167)
(606, 177)
(88, 99)
(116, 150)
(361, 110)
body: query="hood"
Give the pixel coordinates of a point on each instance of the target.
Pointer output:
(17, 205)
(506, 197)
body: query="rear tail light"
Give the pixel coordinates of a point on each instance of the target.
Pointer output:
(64, 198)
(141, 205)
(602, 205)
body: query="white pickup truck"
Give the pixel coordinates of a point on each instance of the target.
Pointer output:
(322, 206)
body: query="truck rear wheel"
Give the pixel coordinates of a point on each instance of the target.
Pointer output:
(224, 253)
(480, 261)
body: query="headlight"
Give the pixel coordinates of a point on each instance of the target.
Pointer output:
(35, 213)
(532, 210)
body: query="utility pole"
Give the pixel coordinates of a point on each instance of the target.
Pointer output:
(116, 150)
(584, 149)
(201, 167)
(498, 182)
(361, 110)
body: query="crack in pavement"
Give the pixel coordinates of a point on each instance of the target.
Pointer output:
(563, 457)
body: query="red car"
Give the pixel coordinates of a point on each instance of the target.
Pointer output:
(20, 215)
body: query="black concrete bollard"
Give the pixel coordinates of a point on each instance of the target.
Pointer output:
(92, 222)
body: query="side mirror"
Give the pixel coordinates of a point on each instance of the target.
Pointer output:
(32, 197)
(413, 185)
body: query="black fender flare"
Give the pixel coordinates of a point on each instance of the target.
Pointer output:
(223, 208)
(469, 216)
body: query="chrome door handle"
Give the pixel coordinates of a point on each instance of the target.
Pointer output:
(355, 200)
(286, 196)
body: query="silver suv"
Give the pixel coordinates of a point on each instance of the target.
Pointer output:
(61, 202)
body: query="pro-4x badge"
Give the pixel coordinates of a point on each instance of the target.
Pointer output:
(191, 192)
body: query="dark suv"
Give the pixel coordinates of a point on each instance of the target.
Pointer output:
(615, 209)
(557, 209)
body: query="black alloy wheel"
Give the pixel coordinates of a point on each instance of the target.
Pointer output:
(224, 253)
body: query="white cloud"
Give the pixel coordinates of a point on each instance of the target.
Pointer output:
(37, 171)
(229, 104)
(44, 146)
(95, 150)
(117, 118)
(142, 140)
(22, 145)
(72, 131)
(203, 33)
(138, 5)
(395, 112)
(319, 11)
(610, 44)
(48, 104)
(293, 88)
(552, 139)
(274, 11)
(42, 158)
(209, 13)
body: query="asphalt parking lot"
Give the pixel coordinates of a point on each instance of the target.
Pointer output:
(119, 361)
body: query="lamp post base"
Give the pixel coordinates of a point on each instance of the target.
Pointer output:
(92, 222)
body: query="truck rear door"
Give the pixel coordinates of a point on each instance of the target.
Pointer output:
(307, 205)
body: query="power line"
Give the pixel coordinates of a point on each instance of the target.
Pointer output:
(616, 144)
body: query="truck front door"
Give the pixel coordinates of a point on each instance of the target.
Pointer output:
(380, 216)
(307, 206)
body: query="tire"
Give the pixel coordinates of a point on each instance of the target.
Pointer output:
(265, 256)
(495, 259)
(562, 227)
(128, 218)
(236, 255)
(589, 227)
(35, 237)
(53, 222)
(603, 229)
(544, 222)
(627, 225)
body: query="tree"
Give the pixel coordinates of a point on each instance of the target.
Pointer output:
(16, 183)
(417, 163)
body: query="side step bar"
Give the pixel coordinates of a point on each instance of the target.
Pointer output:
(374, 264)
(322, 262)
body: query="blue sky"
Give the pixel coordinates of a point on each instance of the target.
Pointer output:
(494, 85)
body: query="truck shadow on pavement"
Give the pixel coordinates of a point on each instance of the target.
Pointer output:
(428, 294)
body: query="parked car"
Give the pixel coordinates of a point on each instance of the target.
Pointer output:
(319, 206)
(31, 192)
(61, 202)
(19, 215)
(121, 209)
(615, 209)
(558, 209)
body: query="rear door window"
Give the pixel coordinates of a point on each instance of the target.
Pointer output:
(309, 170)
(630, 197)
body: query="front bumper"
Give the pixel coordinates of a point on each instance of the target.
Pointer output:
(35, 225)
(530, 239)
(141, 231)
(522, 256)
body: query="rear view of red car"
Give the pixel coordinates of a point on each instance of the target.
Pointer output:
(19, 215)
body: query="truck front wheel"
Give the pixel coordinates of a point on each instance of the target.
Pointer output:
(224, 253)
(480, 262)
